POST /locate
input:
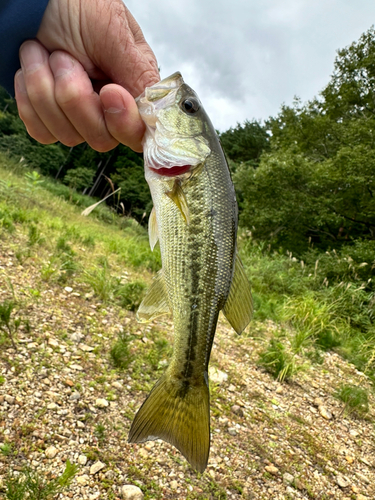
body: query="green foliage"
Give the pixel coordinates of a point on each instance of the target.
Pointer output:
(79, 178)
(355, 399)
(30, 484)
(245, 142)
(120, 352)
(130, 294)
(8, 324)
(6, 449)
(276, 359)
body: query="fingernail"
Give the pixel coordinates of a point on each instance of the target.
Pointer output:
(112, 102)
(32, 57)
(19, 81)
(62, 65)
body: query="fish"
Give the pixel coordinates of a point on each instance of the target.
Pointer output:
(195, 219)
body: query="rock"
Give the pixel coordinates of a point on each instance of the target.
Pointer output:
(349, 459)
(342, 482)
(232, 388)
(94, 496)
(75, 396)
(9, 399)
(83, 480)
(117, 385)
(361, 497)
(232, 431)
(216, 375)
(52, 406)
(272, 470)
(80, 424)
(68, 289)
(237, 410)
(363, 478)
(174, 485)
(130, 492)
(76, 337)
(288, 478)
(101, 403)
(325, 413)
(96, 467)
(51, 452)
(280, 389)
(82, 460)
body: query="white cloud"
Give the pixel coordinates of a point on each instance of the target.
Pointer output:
(245, 58)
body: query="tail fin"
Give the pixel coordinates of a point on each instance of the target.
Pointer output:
(178, 414)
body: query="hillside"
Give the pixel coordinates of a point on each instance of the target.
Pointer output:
(82, 366)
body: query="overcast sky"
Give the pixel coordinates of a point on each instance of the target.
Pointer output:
(245, 58)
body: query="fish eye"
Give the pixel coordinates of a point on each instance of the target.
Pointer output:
(190, 105)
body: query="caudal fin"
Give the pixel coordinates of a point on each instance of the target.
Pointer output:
(178, 414)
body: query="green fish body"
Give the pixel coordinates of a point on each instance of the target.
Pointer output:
(195, 220)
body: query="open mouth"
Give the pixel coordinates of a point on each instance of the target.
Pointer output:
(172, 171)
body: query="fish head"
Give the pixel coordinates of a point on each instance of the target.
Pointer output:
(177, 128)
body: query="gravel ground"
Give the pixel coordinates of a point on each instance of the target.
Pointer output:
(60, 399)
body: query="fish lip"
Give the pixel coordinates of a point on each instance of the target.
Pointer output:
(172, 82)
(171, 171)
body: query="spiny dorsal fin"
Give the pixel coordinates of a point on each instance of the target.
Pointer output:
(178, 197)
(238, 308)
(155, 302)
(179, 415)
(153, 233)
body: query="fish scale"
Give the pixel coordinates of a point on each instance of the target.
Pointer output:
(195, 220)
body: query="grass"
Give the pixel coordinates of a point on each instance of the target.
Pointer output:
(324, 302)
(30, 484)
(355, 400)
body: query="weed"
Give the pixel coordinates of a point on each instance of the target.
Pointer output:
(29, 484)
(130, 294)
(276, 359)
(8, 325)
(120, 352)
(6, 449)
(2, 380)
(355, 399)
(35, 236)
(100, 432)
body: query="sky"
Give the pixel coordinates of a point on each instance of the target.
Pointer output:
(245, 58)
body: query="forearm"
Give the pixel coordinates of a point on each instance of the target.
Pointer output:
(19, 21)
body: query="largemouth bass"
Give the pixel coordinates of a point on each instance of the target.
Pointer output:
(195, 219)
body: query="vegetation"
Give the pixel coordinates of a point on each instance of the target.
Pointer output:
(30, 484)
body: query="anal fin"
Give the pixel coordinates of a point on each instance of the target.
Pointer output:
(155, 302)
(238, 308)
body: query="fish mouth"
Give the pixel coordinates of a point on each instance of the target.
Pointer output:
(159, 96)
(172, 171)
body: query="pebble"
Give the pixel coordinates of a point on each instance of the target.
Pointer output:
(216, 375)
(83, 480)
(82, 460)
(101, 403)
(96, 467)
(288, 478)
(68, 289)
(232, 431)
(174, 485)
(325, 413)
(117, 385)
(75, 396)
(237, 410)
(51, 452)
(9, 399)
(130, 492)
(272, 470)
(94, 496)
(342, 482)
(361, 497)
(279, 389)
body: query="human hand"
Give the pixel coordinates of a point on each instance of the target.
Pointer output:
(63, 91)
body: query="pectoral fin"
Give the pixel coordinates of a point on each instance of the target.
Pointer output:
(153, 233)
(155, 302)
(178, 197)
(238, 308)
